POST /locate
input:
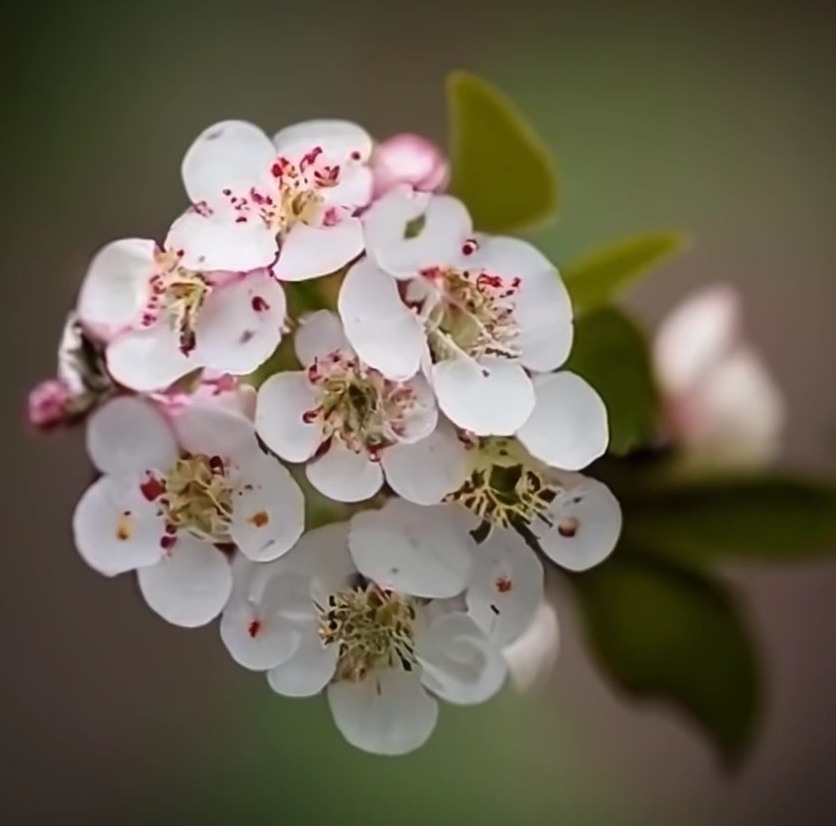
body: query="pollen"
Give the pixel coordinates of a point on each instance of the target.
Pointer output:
(259, 519)
(124, 526)
(373, 628)
(568, 527)
(504, 584)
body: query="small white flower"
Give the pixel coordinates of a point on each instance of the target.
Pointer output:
(723, 406)
(384, 657)
(163, 319)
(475, 312)
(352, 425)
(573, 519)
(290, 202)
(174, 496)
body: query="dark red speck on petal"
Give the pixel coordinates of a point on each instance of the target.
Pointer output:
(254, 627)
(259, 304)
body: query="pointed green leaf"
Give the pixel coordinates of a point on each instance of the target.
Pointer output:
(596, 278)
(611, 353)
(764, 517)
(675, 635)
(500, 168)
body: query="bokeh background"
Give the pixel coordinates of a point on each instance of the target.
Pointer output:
(717, 118)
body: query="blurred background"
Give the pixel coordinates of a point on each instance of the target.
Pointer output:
(716, 118)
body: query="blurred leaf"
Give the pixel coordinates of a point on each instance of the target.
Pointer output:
(673, 634)
(595, 278)
(500, 168)
(611, 353)
(765, 517)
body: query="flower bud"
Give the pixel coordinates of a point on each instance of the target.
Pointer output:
(411, 159)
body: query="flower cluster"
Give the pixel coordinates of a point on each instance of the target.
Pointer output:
(422, 393)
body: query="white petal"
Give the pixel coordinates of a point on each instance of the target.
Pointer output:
(190, 585)
(240, 325)
(256, 641)
(507, 586)
(493, 397)
(217, 242)
(214, 431)
(322, 553)
(268, 509)
(115, 528)
(426, 552)
(696, 336)
(542, 307)
(353, 190)
(233, 155)
(387, 223)
(383, 331)
(387, 713)
(568, 428)
(586, 524)
(116, 284)
(282, 402)
(420, 421)
(319, 335)
(128, 435)
(340, 140)
(460, 663)
(343, 475)
(308, 670)
(424, 472)
(532, 656)
(150, 359)
(308, 252)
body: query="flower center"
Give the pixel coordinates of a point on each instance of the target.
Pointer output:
(197, 497)
(179, 294)
(471, 313)
(358, 405)
(297, 197)
(505, 490)
(373, 628)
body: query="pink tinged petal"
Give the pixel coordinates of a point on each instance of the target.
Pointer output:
(492, 397)
(308, 252)
(308, 670)
(696, 336)
(568, 428)
(115, 528)
(129, 435)
(585, 525)
(413, 550)
(240, 325)
(232, 155)
(268, 513)
(190, 585)
(531, 657)
(218, 242)
(409, 159)
(424, 472)
(507, 587)
(319, 335)
(255, 641)
(460, 664)
(146, 360)
(340, 140)
(115, 287)
(383, 331)
(389, 223)
(215, 431)
(343, 475)
(388, 712)
(280, 416)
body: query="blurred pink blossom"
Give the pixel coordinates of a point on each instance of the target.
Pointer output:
(721, 403)
(411, 159)
(47, 404)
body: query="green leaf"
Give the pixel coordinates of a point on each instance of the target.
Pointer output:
(766, 517)
(673, 634)
(500, 168)
(595, 278)
(611, 353)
